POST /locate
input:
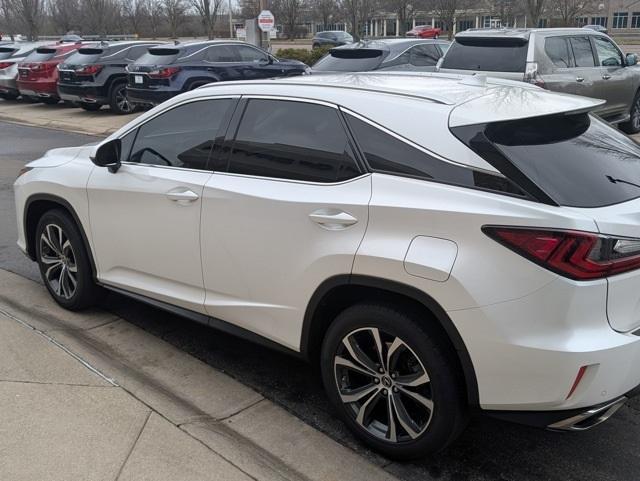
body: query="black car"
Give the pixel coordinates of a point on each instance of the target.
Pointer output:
(332, 38)
(387, 54)
(96, 76)
(169, 70)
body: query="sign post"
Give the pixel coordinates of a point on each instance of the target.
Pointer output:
(266, 23)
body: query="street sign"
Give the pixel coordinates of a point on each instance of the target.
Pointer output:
(266, 21)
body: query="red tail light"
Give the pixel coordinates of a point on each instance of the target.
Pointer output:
(165, 72)
(4, 65)
(41, 68)
(578, 255)
(89, 70)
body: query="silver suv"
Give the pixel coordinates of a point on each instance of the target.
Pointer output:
(571, 60)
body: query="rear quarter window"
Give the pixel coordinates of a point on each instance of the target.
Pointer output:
(487, 55)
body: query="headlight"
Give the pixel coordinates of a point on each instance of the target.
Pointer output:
(23, 171)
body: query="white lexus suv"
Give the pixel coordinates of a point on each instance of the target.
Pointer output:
(438, 245)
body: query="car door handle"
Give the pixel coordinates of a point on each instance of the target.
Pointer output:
(332, 219)
(182, 196)
(606, 76)
(579, 79)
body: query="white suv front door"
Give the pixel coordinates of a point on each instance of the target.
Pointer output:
(289, 212)
(145, 219)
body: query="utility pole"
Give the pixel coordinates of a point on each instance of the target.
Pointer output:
(230, 21)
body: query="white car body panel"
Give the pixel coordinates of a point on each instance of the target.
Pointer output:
(256, 258)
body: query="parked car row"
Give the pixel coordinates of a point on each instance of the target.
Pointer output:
(124, 75)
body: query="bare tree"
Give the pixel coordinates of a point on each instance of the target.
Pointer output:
(249, 8)
(135, 12)
(101, 16)
(447, 10)
(357, 13)
(568, 10)
(7, 23)
(156, 15)
(208, 11)
(28, 14)
(175, 12)
(287, 12)
(406, 10)
(325, 10)
(534, 9)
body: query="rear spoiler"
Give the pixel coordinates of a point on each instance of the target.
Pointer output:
(514, 103)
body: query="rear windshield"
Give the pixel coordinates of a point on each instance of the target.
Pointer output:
(577, 160)
(159, 56)
(350, 60)
(487, 55)
(6, 52)
(85, 56)
(41, 55)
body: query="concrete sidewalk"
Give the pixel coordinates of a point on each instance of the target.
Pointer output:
(63, 117)
(87, 396)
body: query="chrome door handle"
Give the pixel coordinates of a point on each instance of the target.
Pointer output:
(606, 76)
(182, 196)
(579, 79)
(332, 219)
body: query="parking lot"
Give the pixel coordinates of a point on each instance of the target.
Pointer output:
(488, 450)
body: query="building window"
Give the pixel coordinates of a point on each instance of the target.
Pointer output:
(620, 19)
(542, 23)
(582, 21)
(635, 20)
(602, 21)
(465, 25)
(491, 22)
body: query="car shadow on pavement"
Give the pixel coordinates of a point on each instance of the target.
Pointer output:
(488, 450)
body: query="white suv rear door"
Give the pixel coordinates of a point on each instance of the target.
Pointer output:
(285, 210)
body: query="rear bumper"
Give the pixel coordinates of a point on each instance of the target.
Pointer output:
(566, 420)
(149, 96)
(83, 93)
(38, 89)
(8, 85)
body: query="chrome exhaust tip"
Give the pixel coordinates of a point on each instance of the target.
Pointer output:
(589, 418)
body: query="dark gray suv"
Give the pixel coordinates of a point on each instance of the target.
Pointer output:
(571, 60)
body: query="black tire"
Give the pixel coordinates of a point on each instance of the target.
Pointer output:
(90, 107)
(435, 428)
(118, 101)
(30, 99)
(9, 96)
(50, 100)
(76, 261)
(633, 125)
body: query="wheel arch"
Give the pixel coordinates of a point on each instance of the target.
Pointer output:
(339, 292)
(35, 207)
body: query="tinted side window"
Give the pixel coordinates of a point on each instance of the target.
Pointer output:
(582, 52)
(248, 54)
(181, 137)
(608, 54)
(557, 49)
(424, 55)
(222, 53)
(292, 140)
(386, 153)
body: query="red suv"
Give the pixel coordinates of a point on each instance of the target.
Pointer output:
(38, 72)
(424, 31)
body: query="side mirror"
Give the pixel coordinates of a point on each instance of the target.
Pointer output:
(266, 61)
(108, 155)
(632, 59)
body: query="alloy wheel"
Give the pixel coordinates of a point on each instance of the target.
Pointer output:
(58, 257)
(635, 114)
(384, 385)
(122, 101)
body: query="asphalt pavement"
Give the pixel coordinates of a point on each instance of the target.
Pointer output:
(488, 450)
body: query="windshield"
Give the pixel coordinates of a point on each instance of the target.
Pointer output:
(577, 160)
(85, 56)
(6, 52)
(488, 55)
(41, 55)
(159, 56)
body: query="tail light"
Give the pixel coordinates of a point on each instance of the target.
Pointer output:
(89, 70)
(165, 72)
(41, 68)
(4, 65)
(532, 76)
(574, 254)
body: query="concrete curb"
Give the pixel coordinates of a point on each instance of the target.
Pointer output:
(248, 431)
